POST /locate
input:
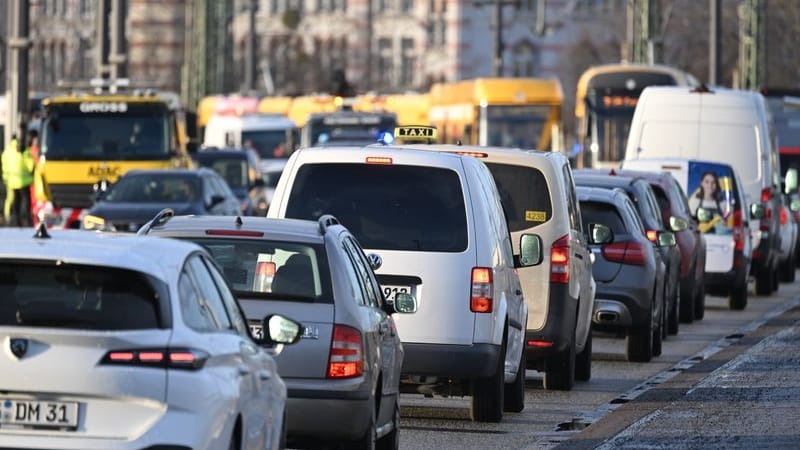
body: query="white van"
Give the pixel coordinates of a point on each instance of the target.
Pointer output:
(270, 135)
(719, 125)
(436, 221)
(724, 220)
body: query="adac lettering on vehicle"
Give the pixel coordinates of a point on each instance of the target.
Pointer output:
(104, 171)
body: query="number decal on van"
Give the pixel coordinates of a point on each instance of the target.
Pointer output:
(535, 216)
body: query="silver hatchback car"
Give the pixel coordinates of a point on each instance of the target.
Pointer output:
(126, 342)
(343, 375)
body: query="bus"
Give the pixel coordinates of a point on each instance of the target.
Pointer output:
(88, 139)
(784, 104)
(506, 112)
(346, 127)
(605, 99)
(411, 108)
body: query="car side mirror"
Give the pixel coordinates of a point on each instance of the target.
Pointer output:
(404, 303)
(790, 181)
(678, 224)
(703, 215)
(600, 234)
(530, 254)
(666, 239)
(278, 329)
(216, 199)
(794, 205)
(757, 211)
(375, 261)
(258, 183)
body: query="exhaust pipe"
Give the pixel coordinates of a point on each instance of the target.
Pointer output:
(607, 317)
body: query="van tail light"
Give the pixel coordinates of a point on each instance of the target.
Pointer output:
(652, 235)
(766, 194)
(784, 215)
(559, 261)
(631, 253)
(170, 358)
(481, 290)
(738, 231)
(347, 353)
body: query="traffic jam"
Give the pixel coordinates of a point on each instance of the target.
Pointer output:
(314, 283)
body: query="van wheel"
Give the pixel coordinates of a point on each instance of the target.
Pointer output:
(514, 393)
(658, 340)
(487, 393)
(738, 297)
(775, 278)
(583, 361)
(559, 370)
(639, 342)
(787, 270)
(763, 281)
(700, 303)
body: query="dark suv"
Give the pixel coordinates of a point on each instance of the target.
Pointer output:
(240, 169)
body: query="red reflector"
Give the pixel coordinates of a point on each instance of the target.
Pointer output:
(784, 216)
(379, 160)
(652, 235)
(540, 344)
(120, 356)
(151, 356)
(245, 233)
(766, 194)
(182, 357)
(265, 268)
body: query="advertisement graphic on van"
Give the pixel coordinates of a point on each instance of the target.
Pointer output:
(711, 187)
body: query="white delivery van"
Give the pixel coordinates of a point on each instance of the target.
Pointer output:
(271, 135)
(436, 220)
(715, 199)
(719, 125)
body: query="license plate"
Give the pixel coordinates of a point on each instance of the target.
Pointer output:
(257, 331)
(389, 291)
(38, 413)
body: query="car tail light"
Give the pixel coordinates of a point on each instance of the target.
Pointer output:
(766, 194)
(652, 235)
(481, 290)
(539, 343)
(784, 215)
(632, 253)
(559, 261)
(378, 160)
(265, 272)
(347, 353)
(175, 358)
(738, 230)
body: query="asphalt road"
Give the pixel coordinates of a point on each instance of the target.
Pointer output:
(551, 417)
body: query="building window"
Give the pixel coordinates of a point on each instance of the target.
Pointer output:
(407, 62)
(524, 60)
(406, 5)
(385, 62)
(378, 6)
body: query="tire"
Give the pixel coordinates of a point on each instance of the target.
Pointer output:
(235, 438)
(763, 281)
(686, 306)
(738, 297)
(368, 441)
(658, 339)
(787, 270)
(559, 370)
(487, 393)
(583, 361)
(392, 440)
(700, 303)
(639, 343)
(775, 279)
(673, 319)
(514, 393)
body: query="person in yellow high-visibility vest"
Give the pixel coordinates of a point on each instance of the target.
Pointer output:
(18, 167)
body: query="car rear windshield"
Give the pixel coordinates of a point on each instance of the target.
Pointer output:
(273, 269)
(524, 194)
(387, 207)
(604, 214)
(77, 297)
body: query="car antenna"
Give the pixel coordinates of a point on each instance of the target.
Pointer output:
(238, 221)
(41, 231)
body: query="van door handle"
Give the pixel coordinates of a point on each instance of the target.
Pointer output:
(578, 255)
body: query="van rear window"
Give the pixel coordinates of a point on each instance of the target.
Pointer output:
(524, 194)
(76, 297)
(387, 207)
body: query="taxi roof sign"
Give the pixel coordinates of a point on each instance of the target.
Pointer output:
(417, 133)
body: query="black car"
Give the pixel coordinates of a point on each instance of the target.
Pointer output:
(240, 169)
(627, 269)
(140, 194)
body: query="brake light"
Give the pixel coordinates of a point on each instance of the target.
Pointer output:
(481, 297)
(379, 160)
(632, 253)
(766, 194)
(784, 215)
(185, 359)
(244, 233)
(738, 231)
(539, 344)
(559, 260)
(347, 353)
(652, 235)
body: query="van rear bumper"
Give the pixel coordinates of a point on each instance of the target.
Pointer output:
(454, 361)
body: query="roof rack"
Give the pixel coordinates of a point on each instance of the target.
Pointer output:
(160, 219)
(41, 231)
(702, 89)
(327, 220)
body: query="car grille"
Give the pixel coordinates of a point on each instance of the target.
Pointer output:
(72, 195)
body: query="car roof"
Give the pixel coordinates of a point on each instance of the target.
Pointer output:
(592, 193)
(215, 152)
(176, 172)
(501, 153)
(278, 229)
(603, 178)
(145, 254)
(399, 155)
